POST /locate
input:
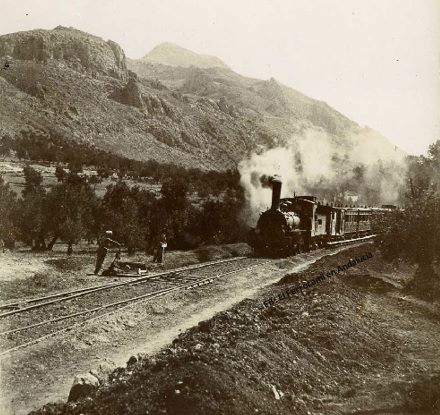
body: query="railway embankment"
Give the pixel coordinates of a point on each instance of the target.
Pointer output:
(43, 348)
(356, 343)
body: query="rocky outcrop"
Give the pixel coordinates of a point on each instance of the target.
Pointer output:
(130, 94)
(174, 55)
(83, 386)
(120, 59)
(77, 49)
(87, 384)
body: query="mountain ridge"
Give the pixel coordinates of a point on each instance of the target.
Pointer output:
(75, 48)
(79, 86)
(170, 54)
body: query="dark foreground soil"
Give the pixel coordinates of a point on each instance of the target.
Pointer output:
(355, 343)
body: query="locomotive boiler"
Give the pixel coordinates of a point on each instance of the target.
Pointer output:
(276, 230)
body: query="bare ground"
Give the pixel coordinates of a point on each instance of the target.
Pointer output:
(355, 344)
(44, 372)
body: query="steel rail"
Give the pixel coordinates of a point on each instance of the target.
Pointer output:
(190, 283)
(55, 298)
(347, 241)
(134, 300)
(128, 303)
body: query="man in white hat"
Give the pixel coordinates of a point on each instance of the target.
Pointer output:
(104, 244)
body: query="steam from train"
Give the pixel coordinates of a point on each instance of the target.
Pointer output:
(326, 166)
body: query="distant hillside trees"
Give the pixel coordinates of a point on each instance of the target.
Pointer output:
(70, 211)
(53, 146)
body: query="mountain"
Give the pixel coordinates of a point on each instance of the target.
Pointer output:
(173, 105)
(74, 48)
(173, 55)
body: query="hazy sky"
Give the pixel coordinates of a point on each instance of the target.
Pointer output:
(376, 61)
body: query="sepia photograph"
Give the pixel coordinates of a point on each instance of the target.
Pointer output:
(220, 207)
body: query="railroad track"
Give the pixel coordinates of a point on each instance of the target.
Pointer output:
(29, 320)
(34, 319)
(32, 303)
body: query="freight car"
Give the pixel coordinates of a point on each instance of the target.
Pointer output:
(301, 223)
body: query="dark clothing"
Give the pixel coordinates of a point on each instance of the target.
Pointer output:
(160, 249)
(158, 254)
(103, 246)
(100, 256)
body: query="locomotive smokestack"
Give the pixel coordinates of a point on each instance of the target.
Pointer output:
(276, 192)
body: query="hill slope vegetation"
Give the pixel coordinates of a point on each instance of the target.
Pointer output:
(173, 105)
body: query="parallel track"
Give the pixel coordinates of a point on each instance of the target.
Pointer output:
(350, 241)
(176, 277)
(20, 306)
(184, 284)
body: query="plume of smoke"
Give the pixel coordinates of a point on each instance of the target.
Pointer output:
(385, 166)
(323, 165)
(266, 164)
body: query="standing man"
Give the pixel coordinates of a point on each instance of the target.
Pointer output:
(160, 249)
(103, 245)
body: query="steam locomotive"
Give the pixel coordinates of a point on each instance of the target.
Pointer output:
(301, 223)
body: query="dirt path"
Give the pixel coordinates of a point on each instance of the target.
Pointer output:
(353, 344)
(44, 372)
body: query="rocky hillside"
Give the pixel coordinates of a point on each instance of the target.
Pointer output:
(174, 55)
(73, 48)
(173, 106)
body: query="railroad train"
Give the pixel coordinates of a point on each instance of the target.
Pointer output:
(301, 223)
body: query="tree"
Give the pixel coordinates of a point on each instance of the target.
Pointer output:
(414, 232)
(94, 180)
(128, 227)
(70, 208)
(433, 160)
(120, 212)
(75, 166)
(30, 217)
(33, 179)
(174, 193)
(8, 207)
(424, 172)
(172, 211)
(218, 221)
(104, 172)
(60, 173)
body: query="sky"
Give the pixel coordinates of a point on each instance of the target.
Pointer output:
(375, 61)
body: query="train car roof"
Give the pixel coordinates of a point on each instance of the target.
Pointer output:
(312, 200)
